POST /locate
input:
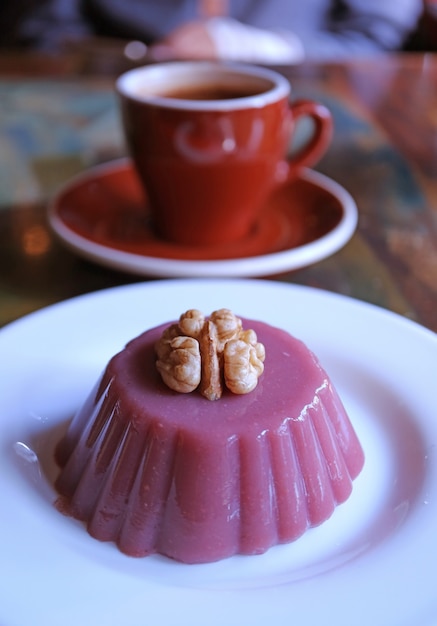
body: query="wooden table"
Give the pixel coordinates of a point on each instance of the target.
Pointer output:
(59, 117)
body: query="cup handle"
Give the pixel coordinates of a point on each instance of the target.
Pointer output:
(312, 151)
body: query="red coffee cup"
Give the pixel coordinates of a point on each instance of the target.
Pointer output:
(209, 142)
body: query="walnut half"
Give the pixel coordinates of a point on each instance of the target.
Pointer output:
(208, 354)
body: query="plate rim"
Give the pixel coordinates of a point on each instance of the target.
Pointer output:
(86, 300)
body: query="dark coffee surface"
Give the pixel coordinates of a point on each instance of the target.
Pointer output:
(211, 92)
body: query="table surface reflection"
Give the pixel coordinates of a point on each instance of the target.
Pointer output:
(58, 117)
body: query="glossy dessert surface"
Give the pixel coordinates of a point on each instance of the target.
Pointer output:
(159, 471)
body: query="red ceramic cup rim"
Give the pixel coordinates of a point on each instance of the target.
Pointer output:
(274, 86)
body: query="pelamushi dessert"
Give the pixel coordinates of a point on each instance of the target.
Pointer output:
(208, 437)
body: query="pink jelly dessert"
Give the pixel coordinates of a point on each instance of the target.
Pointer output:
(157, 471)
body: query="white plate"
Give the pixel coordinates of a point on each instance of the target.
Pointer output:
(374, 562)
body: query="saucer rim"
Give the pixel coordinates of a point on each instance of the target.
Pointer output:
(261, 265)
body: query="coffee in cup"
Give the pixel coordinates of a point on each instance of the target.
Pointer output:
(209, 143)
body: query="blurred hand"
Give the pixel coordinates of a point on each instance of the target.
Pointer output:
(229, 40)
(189, 41)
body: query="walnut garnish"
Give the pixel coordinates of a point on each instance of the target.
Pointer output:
(209, 354)
(210, 383)
(243, 362)
(179, 364)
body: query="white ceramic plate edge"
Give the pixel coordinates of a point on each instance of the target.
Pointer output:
(389, 585)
